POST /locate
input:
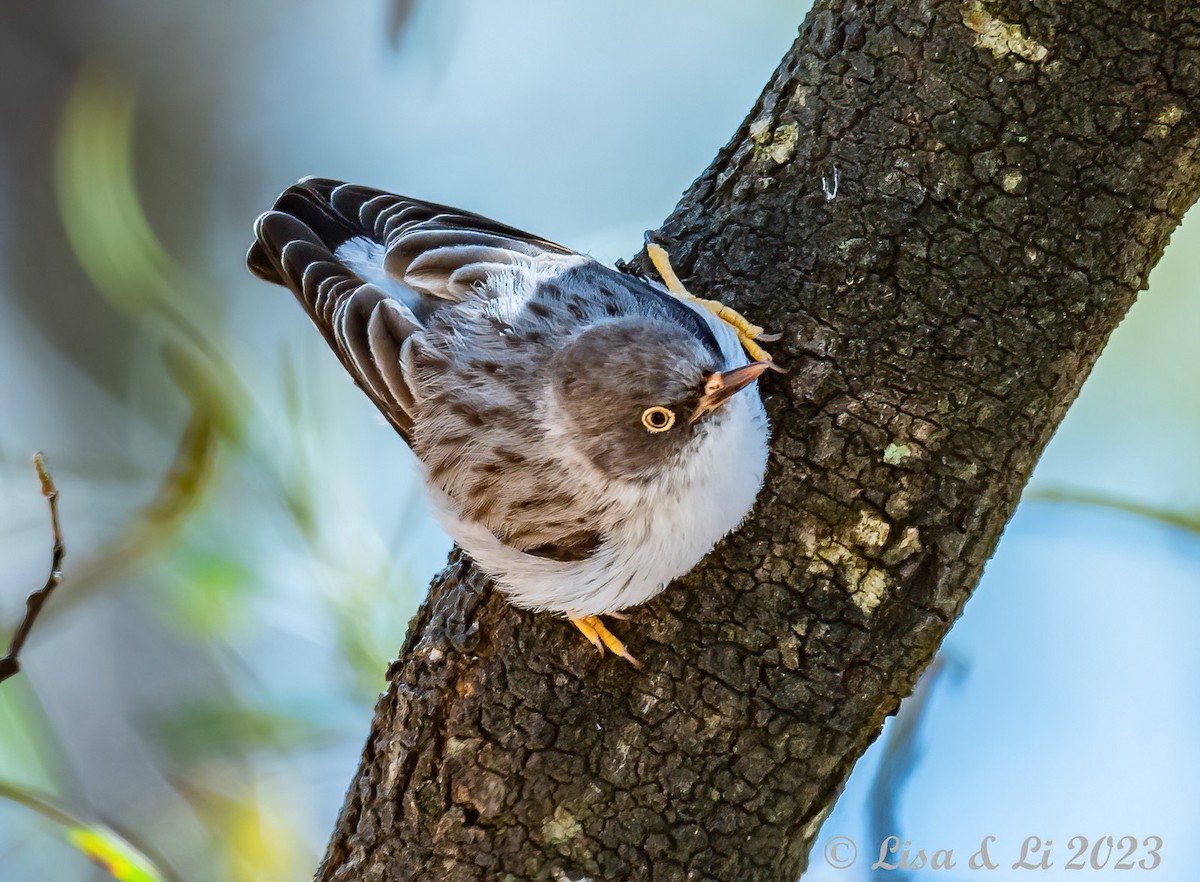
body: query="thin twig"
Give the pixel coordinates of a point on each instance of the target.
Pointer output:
(33, 605)
(1183, 520)
(155, 524)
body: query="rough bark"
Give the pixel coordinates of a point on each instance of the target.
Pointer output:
(946, 208)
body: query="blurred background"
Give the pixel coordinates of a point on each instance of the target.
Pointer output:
(246, 543)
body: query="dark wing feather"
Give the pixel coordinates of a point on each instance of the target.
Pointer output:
(435, 253)
(364, 326)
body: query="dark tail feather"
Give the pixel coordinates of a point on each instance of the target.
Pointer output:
(309, 203)
(295, 246)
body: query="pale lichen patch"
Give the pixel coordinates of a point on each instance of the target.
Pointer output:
(847, 559)
(776, 144)
(785, 141)
(870, 591)
(905, 547)
(1001, 38)
(834, 553)
(560, 827)
(1166, 120)
(560, 875)
(1169, 115)
(895, 454)
(871, 532)
(397, 753)
(1011, 180)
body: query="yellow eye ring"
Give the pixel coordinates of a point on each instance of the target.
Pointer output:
(658, 419)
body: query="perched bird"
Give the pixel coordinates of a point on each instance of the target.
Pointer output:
(585, 435)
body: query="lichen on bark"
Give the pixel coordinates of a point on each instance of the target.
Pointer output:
(945, 208)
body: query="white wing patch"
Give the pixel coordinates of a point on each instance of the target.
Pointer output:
(364, 258)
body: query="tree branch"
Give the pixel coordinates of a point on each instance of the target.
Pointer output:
(946, 207)
(10, 665)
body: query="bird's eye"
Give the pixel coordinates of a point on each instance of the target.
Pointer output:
(658, 419)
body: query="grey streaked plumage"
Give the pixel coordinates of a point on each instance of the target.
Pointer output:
(518, 371)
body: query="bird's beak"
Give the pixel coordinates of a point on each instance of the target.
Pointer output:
(723, 385)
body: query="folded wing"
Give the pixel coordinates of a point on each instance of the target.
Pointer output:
(369, 267)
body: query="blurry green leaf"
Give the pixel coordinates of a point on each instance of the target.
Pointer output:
(294, 485)
(366, 643)
(261, 846)
(98, 201)
(113, 854)
(209, 590)
(101, 844)
(255, 824)
(117, 248)
(223, 728)
(209, 383)
(21, 739)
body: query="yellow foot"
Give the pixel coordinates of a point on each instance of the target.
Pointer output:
(748, 334)
(599, 636)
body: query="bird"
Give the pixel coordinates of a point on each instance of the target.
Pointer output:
(585, 435)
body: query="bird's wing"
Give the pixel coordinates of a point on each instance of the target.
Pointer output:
(370, 267)
(431, 249)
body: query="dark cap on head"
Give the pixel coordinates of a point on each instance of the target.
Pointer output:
(629, 389)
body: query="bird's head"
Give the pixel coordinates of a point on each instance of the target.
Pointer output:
(635, 393)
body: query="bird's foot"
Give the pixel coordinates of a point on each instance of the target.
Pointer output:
(748, 333)
(599, 636)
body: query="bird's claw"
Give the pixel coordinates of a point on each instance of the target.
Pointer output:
(748, 333)
(600, 637)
